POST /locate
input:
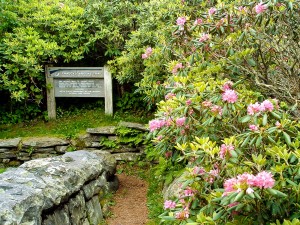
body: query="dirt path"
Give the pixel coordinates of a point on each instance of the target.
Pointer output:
(131, 200)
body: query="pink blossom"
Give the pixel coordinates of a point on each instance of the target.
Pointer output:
(198, 170)
(242, 8)
(159, 138)
(214, 172)
(188, 102)
(229, 96)
(169, 96)
(204, 37)
(253, 127)
(217, 109)
(264, 180)
(225, 150)
(260, 8)
(227, 85)
(198, 21)
(168, 154)
(277, 124)
(230, 185)
(181, 21)
(180, 121)
(249, 190)
(147, 53)
(156, 124)
(182, 215)
(168, 204)
(188, 192)
(267, 105)
(176, 67)
(212, 11)
(206, 104)
(253, 108)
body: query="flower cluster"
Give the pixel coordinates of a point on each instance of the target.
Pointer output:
(260, 8)
(229, 95)
(204, 37)
(147, 53)
(257, 107)
(225, 150)
(181, 21)
(248, 181)
(176, 67)
(156, 124)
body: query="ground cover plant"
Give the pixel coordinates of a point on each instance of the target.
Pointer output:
(239, 145)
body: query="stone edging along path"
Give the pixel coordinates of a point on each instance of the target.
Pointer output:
(61, 190)
(14, 152)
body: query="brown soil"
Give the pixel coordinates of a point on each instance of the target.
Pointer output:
(131, 200)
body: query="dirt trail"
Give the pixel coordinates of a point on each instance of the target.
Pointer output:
(131, 200)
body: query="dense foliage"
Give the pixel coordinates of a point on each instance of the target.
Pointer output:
(35, 33)
(240, 147)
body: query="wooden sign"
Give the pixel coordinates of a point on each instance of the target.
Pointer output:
(92, 82)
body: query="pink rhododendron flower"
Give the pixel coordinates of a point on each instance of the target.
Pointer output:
(242, 9)
(229, 96)
(147, 53)
(207, 104)
(204, 37)
(198, 170)
(188, 192)
(253, 108)
(253, 127)
(176, 67)
(260, 8)
(181, 21)
(198, 21)
(217, 109)
(248, 181)
(168, 204)
(182, 215)
(214, 173)
(156, 124)
(249, 190)
(267, 106)
(169, 96)
(188, 102)
(233, 204)
(277, 124)
(212, 11)
(180, 121)
(225, 150)
(227, 85)
(264, 180)
(159, 138)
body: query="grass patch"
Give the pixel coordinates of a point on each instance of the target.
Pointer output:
(2, 170)
(68, 126)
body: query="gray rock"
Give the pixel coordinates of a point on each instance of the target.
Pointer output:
(59, 217)
(5, 150)
(10, 143)
(43, 184)
(42, 155)
(61, 149)
(44, 150)
(109, 130)
(43, 142)
(77, 209)
(8, 155)
(174, 189)
(137, 126)
(127, 156)
(94, 212)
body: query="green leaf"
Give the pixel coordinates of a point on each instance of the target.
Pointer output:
(239, 196)
(258, 141)
(265, 119)
(251, 62)
(245, 141)
(287, 138)
(275, 115)
(245, 119)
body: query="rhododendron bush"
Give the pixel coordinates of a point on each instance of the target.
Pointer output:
(240, 147)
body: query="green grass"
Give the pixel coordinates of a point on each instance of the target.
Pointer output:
(2, 170)
(68, 126)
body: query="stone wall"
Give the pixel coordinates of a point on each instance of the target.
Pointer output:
(61, 190)
(13, 152)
